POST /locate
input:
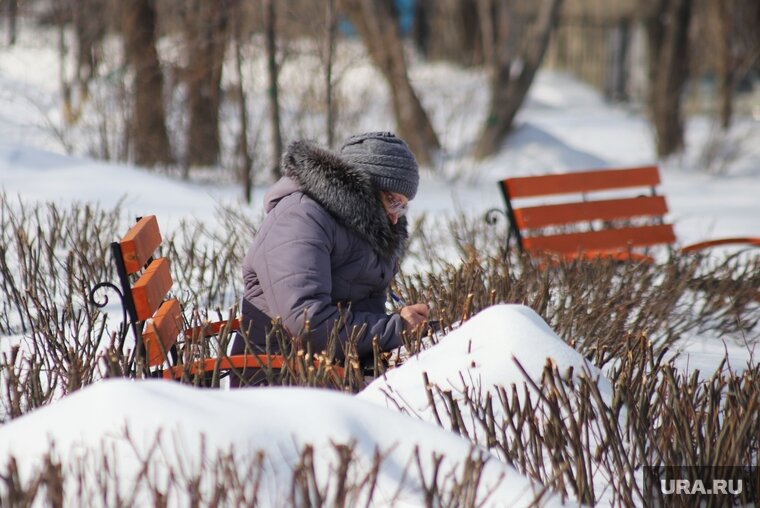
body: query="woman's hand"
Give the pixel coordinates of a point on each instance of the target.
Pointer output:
(413, 316)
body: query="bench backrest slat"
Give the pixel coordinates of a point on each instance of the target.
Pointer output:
(584, 181)
(140, 242)
(601, 241)
(151, 288)
(607, 210)
(164, 327)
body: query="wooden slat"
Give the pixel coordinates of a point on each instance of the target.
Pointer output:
(555, 259)
(211, 329)
(741, 240)
(616, 255)
(584, 181)
(164, 327)
(140, 242)
(227, 363)
(237, 362)
(606, 240)
(582, 211)
(151, 288)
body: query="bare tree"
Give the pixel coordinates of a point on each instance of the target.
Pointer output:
(376, 23)
(243, 156)
(88, 18)
(330, 32)
(451, 32)
(60, 15)
(667, 28)
(726, 71)
(12, 11)
(486, 26)
(270, 19)
(206, 31)
(738, 47)
(150, 141)
(90, 29)
(512, 74)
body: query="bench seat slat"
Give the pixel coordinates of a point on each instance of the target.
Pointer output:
(165, 326)
(210, 329)
(238, 362)
(605, 240)
(609, 209)
(139, 244)
(151, 288)
(584, 181)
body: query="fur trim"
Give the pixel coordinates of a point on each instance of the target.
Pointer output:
(347, 194)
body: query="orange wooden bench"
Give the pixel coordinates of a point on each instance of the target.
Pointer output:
(611, 213)
(157, 322)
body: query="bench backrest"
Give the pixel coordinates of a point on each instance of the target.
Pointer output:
(158, 320)
(596, 212)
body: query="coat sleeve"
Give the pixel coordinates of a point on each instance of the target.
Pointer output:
(294, 269)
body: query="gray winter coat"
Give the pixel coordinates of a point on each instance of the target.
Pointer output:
(326, 241)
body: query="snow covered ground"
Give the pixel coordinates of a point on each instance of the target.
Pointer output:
(564, 126)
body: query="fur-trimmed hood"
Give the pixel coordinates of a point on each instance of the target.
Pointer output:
(344, 191)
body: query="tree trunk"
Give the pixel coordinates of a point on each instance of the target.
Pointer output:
(511, 78)
(90, 29)
(244, 158)
(488, 40)
(617, 76)
(12, 18)
(207, 27)
(667, 27)
(421, 26)
(739, 49)
(149, 137)
(726, 68)
(270, 18)
(60, 19)
(329, 53)
(376, 24)
(452, 31)
(89, 20)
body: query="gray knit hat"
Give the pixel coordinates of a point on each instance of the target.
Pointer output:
(387, 158)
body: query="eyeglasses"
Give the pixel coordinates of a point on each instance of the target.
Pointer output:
(394, 206)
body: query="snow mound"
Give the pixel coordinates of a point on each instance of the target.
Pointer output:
(482, 353)
(189, 426)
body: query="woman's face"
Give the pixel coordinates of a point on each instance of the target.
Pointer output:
(395, 205)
